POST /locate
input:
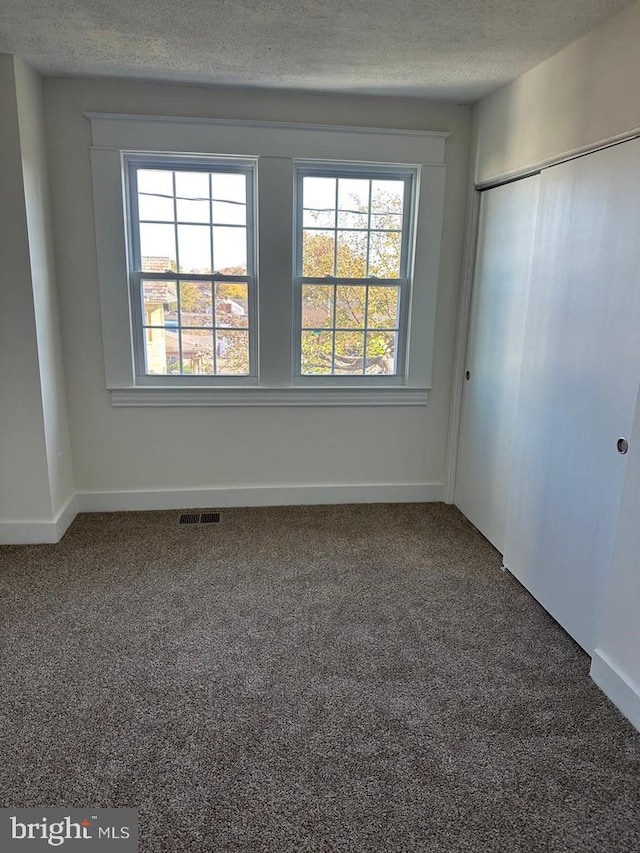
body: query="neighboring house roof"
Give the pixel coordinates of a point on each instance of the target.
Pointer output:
(159, 291)
(192, 344)
(231, 305)
(155, 263)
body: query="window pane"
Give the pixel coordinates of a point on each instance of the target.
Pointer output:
(318, 218)
(316, 353)
(230, 250)
(387, 198)
(352, 254)
(185, 323)
(161, 351)
(160, 303)
(196, 303)
(192, 196)
(350, 306)
(229, 194)
(197, 351)
(229, 213)
(386, 221)
(229, 187)
(195, 248)
(349, 355)
(192, 211)
(317, 305)
(232, 304)
(353, 203)
(192, 185)
(318, 253)
(381, 352)
(157, 247)
(319, 202)
(156, 181)
(319, 192)
(385, 248)
(384, 303)
(154, 207)
(232, 352)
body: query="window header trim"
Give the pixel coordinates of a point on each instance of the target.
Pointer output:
(249, 139)
(283, 125)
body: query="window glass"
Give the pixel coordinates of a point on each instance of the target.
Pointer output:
(192, 225)
(353, 230)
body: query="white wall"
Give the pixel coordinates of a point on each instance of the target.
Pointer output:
(24, 486)
(582, 95)
(43, 285)
(35, 458)
(122, 449)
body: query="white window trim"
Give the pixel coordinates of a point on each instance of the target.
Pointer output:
(276, 147)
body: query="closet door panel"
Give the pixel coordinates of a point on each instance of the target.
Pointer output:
(494, 352)
(578, 385)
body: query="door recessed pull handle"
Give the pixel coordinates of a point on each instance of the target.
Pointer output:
(467, 375)
(623, 445)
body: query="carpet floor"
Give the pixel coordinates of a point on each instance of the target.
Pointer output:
(349, 678)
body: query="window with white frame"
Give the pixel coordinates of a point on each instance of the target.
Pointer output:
(192, 266)
(353, 252)
(278, 265)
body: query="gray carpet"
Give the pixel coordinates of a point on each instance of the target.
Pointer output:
(359, 678)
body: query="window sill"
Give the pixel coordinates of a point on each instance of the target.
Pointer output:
(247, 396)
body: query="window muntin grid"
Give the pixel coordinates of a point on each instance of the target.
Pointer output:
(204, 328)
(353, 230)
(193, 276)
(354, 327)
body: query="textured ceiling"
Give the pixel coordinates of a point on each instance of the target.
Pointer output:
(446, 49)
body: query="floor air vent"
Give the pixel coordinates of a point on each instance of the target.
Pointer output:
(190, 518)
(200, 518)
(210, 518)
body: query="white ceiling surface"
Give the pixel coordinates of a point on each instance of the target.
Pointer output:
(446, 49)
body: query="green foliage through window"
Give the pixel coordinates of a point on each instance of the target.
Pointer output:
(352, 228)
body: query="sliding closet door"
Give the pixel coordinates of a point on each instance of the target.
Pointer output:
(494, 354)
(579, 382)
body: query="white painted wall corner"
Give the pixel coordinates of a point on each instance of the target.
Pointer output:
(39, 532)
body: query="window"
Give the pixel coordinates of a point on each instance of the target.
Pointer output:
(352, 257)
(192, 267)
(259, 264)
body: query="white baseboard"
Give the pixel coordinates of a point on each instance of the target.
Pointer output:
(624, 694)
(39, 532)
(28, 532)
(66, 516)
(239, 496)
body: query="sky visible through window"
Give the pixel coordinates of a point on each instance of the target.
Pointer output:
(202, 227)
